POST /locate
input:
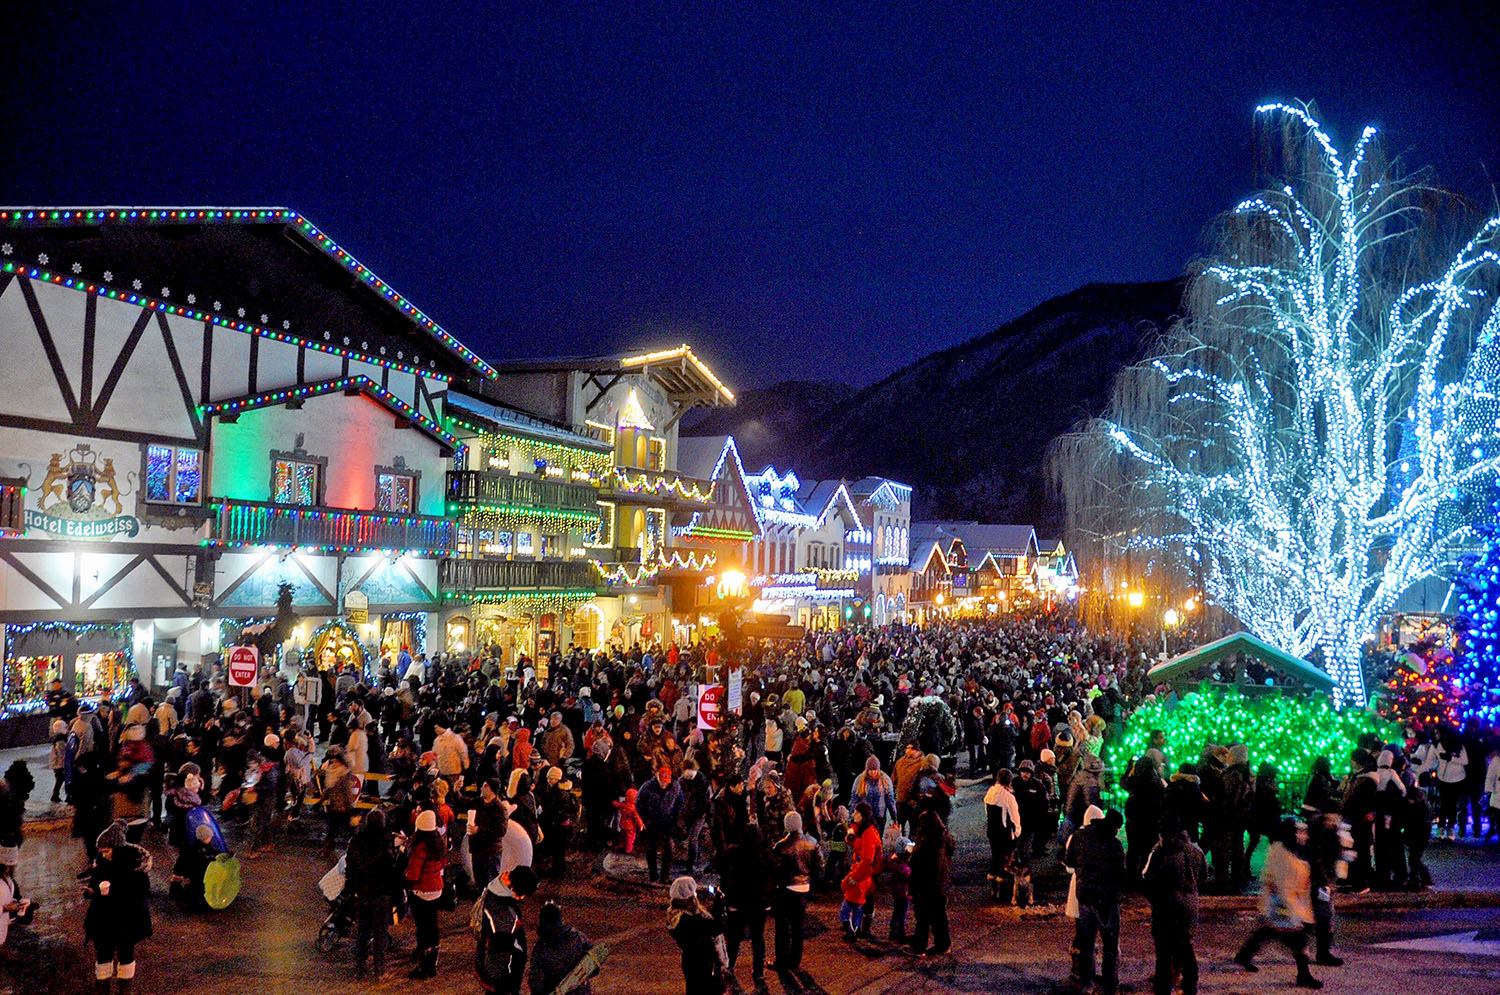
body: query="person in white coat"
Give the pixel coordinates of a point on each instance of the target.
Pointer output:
(1492, 788)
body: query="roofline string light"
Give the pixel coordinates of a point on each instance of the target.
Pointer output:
(330, 248)
(359, 382)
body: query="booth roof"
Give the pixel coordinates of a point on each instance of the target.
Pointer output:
(1241, 642)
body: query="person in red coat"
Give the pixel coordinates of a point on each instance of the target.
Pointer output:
(424, 878)
(859, 883)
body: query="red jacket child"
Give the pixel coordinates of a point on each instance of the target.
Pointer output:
(630, 820)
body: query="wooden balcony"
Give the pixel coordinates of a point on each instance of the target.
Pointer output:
(260, 523)
(472, 576)
(479, 488)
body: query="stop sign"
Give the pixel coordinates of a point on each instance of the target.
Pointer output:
(710, 705)
(244, 661)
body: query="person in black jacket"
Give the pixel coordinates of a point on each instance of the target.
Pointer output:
(797, 862)
(931, 860)
(747, 896)
(370, 881)
(1143, 810)
(1174, 875)
(695, 810)
(1098, 861)
(693, 927)
(1186, 800)
(119, 913)
(559, 947)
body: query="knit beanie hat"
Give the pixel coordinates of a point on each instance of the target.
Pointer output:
(427, 821)
(113, 835)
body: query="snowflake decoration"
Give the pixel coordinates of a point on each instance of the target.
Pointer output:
(7, 248)
(346, 340)
(218, 305)
(382, 350)
(264, 318)
(286, 325)
(109, 276)
(327, 335)
(364, 345)
(135, 284)
(240, 312)
(77, 268)
(166, 291)
(400, 354)
(192, 298)
(42, 258)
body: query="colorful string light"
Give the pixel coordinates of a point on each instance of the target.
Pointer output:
(361, 383)
(328, 246)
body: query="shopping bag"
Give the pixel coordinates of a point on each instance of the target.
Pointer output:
(332, 883)
(221, 882)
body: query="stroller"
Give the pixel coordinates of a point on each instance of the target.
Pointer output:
(340, 921)
(206, 873)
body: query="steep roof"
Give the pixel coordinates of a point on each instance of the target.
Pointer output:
(500, 418)
(1002, 540)
(677, 370)
(1185, 664)
(267, 270)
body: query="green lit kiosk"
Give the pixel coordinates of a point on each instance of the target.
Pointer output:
(1243, 662)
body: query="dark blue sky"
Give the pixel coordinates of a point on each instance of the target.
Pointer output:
(823, 195)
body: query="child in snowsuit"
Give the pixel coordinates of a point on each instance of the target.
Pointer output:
(630, 820)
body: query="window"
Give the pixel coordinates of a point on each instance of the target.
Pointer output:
(523, 543)
(174, 475)
(296, 481)
(395, 491)
(25, 678)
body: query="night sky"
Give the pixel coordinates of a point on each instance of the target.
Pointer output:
(822, 196)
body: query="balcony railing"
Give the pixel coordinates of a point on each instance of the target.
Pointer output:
(478, 487)
(667, 486)
(503, 575)
(258, 523)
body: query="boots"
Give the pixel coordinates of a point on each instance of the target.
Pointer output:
(426, 964)
(1306, 980)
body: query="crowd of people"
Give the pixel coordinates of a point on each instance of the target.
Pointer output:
(447, 781)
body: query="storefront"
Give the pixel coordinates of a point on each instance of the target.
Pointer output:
(93, 660)
(336, 645)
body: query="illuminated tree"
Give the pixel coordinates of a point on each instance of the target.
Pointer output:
(1424, 698)
(1309, 440)
(1477, 667)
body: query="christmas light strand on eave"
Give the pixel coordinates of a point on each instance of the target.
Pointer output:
(194, 314)
(361, 383)
(76, 217)
(657, 483)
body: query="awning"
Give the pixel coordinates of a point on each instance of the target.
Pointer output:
(1240, 643)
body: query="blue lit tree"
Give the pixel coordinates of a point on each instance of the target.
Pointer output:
(1476, 669)
(1309, 440)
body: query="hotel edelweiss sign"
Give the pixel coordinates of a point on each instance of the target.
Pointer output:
(80, 497)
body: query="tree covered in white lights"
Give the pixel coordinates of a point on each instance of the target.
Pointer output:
(1321, 429)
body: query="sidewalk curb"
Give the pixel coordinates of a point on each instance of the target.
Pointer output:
(1393, 901)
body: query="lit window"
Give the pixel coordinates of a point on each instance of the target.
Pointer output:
(523, 543)
(295, 482)
(174, 475)
(395, 491)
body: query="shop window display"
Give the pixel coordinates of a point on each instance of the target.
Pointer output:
(99, 675)
(26, 678)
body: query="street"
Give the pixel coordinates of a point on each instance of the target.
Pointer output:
(264, 942)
